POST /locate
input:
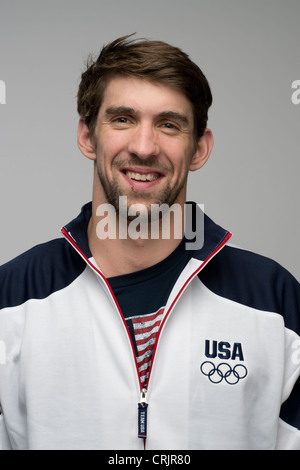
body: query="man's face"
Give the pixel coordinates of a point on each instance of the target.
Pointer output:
(144, 143)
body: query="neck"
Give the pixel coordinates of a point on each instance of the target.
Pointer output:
(122, 247)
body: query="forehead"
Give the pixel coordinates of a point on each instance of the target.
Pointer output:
(145, 96)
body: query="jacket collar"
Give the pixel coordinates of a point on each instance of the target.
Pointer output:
(209, 235)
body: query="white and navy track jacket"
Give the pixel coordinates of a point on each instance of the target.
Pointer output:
(225, 369)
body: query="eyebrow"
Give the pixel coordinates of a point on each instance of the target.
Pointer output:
(175, 116)
(114, 110)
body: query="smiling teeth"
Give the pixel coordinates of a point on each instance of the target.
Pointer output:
(141, 177)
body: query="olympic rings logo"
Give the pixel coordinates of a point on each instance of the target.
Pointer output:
(231, 375)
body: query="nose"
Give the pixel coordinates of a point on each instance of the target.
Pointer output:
(143, 141)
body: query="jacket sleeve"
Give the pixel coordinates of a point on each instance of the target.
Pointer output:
(4, 439)
(288, 437)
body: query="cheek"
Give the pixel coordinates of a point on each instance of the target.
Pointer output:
(106, 154)
(111, 143)
(180, 156)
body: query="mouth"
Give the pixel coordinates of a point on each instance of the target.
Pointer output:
(142, 178)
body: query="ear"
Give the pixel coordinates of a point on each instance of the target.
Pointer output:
(84, 140)
(204, 147)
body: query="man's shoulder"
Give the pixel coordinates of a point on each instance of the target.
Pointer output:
(239, 257)
(35, 257)
(38, 272)
(253, 280)
(244, 263)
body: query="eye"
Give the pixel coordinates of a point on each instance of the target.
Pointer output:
(169, 127)
(122, 120)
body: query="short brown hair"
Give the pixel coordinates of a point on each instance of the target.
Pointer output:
(155, 61)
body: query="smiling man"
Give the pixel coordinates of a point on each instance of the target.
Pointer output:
(143, 147)
(132, 342)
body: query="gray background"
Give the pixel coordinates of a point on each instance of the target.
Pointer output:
(248, 49)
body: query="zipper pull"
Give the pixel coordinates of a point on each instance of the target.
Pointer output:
(142, 415)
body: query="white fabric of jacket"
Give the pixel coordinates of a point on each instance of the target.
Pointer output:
(226, 364)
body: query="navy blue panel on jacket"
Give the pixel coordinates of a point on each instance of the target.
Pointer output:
(39, 272)
(255, 281)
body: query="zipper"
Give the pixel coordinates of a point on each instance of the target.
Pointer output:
(142, 415)
(143, 404)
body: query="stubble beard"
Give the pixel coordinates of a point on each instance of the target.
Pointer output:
(167, 196)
